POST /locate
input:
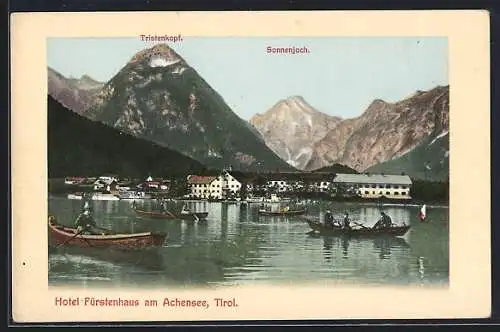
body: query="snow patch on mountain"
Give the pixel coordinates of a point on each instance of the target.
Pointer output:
(294, 160)
(161, 62)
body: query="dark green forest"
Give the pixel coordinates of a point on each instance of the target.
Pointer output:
(81, 147)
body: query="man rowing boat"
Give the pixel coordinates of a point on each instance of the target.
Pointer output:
(347, 222)
(285, 209)
(185, 210)
(384, 222)
(85, 223)
(329, 219)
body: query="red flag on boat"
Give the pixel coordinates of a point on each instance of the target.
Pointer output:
(422, 215)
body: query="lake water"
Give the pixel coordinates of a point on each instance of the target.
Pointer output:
(237, 246)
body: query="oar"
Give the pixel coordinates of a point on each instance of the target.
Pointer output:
(171, 214)
(71, 238)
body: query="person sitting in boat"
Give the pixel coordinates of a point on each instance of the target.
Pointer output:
(85, 223)
(163, 206)
(347, 222)
(285, 209)
(329, 219)
(384, 222)
(185, 210)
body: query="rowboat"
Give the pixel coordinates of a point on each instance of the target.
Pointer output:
(276, 199)
(391, 231)
(282, 213)
(75, 196)
(155, 215)
(104, 197)
(68, 236)
(134, 195)
(182, 216)
(254, 200)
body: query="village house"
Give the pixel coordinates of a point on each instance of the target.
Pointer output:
(281, 182)
(151, 184)
(322, 186)
(375, 185)
(204, 187)
(231, 185)
(107, 182)
(222, 186)
(292, 182)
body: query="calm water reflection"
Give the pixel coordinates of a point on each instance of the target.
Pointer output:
(237, 246)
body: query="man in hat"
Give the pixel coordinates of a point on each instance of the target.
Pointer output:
(384, 222)
(347, 222)
(85, 223)
(329, 219)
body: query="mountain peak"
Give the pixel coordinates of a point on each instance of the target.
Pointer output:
(291, 127)
(158, 54)
(296, 98)
(87, 78)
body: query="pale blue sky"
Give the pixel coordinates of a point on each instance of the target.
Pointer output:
(341, 76)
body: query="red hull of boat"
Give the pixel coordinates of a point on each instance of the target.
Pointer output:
(66, 235)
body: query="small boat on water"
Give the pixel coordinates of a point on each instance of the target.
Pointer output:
(155, 214)
(104, 197)
(282, 212)
(276, 199)
(64, 235)
(316, 226)
(134, 195)
(171, 216)
(254, 199)
(75, 196)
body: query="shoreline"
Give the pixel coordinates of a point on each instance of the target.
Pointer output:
(367, 203)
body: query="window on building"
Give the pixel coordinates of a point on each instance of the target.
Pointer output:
(374, 186)
(387, 192)
(396, 193)
(373, 192)
(396, 187)
(366, 192)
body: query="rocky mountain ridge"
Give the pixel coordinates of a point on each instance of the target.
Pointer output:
(158, 96)
(291, 127)
(385, 131)
(77, 94)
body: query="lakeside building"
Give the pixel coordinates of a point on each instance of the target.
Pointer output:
(222, 186)
(375, 185)
(151, 184)
(202, 187)
(107, 182)
(298, 181)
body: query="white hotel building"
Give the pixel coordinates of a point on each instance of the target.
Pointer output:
(215, 187)
(376, 185)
